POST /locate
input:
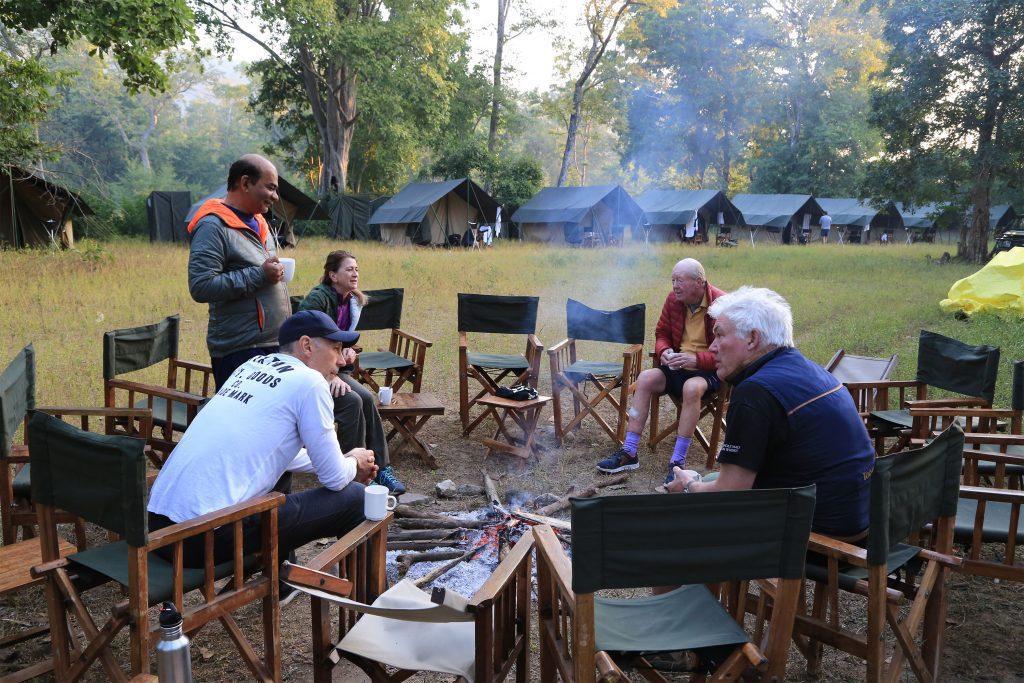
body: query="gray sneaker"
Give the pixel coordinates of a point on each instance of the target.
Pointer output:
(619, 461)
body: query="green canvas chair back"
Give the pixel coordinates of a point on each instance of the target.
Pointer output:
(911, 488)
(625, 326)
(657, 539)
(295, 301)
(487, 313)
(383, 309)
(954, 366)
(97, 477)
(135, 348)
(17, 395)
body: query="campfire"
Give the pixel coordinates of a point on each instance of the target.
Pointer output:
(460, 550)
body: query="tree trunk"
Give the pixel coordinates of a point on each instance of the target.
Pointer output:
(492, 133)
(570, 136)
(981, 196)
(334, 112)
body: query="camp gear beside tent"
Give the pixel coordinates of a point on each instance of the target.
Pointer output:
(669, 211)
(166, 213)
(999, 286)
(573, 215)
(779, 214)
(858, 217)
(431, 213)
(35, 212)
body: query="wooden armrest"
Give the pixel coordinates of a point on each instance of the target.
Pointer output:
(830, 547)
(883, 384)
(932, 556)
(947, 403)
(153, 390)
(992, 495)
(550, 548)
(212, 520)
(994, 456)
(58, 411)
(994, 439)
(532, 340)
(553, 351)
(345, 545)
(608, 669)
(633, 350)
(463, 341)
(412, 337)
(193, 365)
(504, 571)
(311, 578)
(916, 411)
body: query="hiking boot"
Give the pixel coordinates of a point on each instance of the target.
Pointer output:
(386, 477)
(619, 461)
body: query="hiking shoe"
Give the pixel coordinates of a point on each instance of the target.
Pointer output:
(619, 461)
(386, 477)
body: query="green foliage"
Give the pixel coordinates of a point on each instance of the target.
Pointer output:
(25, 101)
(513, 179)
(516, 179)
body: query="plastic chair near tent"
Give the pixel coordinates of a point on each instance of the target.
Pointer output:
(489, 314)
(482, 638)
(909, 490)
(404, 358)
(174, 404)
(612, 381)
(102, 479)
(635, 541)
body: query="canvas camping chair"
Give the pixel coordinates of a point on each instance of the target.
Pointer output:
(847, 367)
(909, 490)
(715, 406)
(483, 638)
(17, 401)
(942, 363)
(102, 478)
(175, 403)
(634, 541)
(403, 360)
(489, 314)
(611, 381)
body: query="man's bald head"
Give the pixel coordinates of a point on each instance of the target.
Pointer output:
(690, 267)
(251, 165)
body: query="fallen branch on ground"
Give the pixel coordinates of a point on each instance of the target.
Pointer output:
(422, 545)
(585, 493)
(445, 568)
(541, 519)
(405, 562)
(423, 534)
(447, 523)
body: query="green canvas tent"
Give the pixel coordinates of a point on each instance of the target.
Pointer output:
(668, 212)
(855, 219)
(166, 213)
(778, 215)
(1001, 217)
(430, 213)
(350, 216)
(566, 215)
(292, 205)
(35, 212)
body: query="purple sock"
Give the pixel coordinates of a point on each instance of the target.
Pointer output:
(632, 441)
(679, 452)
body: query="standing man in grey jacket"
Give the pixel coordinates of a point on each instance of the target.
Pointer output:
(232, 268)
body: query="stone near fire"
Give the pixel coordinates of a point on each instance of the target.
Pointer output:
(445, 489)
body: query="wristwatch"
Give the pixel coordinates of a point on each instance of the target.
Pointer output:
(686, 489)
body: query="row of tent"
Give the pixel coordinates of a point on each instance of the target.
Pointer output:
(36, 212)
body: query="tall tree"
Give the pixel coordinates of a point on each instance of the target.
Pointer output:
(955, 83)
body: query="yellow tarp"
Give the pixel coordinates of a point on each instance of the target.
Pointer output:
(999, 286)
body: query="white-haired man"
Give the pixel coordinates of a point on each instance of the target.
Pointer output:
(790, 423)
(687, 370)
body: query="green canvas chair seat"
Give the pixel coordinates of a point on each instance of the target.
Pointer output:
(890, 420)
(995, 528)
(688, 618)
(179, 413)
(849, 574)
(22, 483)
(987, 468)
(498, 361)
(579, 370)
(383, 360)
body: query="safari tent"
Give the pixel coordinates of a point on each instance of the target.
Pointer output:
(35, 212)
(350, 216)
(1000, 217)
(668, 212)
(292, 205)
(430, 213)
(578, 215)
(774, 216)
(166, 213)
(920, 222)
(855, 220)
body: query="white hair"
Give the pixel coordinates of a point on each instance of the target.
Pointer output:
(757, 308)
(691, 267)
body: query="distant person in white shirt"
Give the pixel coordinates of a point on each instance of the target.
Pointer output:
(825, 222)
(249, 436)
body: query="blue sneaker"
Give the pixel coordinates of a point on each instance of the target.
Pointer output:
(386, 477)
(619, 461)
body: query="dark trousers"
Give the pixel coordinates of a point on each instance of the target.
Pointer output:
(225, 365)
(359, 423)
(304, 517)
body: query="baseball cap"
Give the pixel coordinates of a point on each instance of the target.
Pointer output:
(313, 324)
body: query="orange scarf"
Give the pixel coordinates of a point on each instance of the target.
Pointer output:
(218, 208)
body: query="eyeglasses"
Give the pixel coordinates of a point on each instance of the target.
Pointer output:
(684, 280)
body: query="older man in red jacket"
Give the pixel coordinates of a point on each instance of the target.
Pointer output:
(682, 337)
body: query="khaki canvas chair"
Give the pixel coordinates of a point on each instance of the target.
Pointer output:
(909, 490)
(479, 640)
(611, 381)
(847, 367)
(504, 315)
(633, 541)
(175, 403)
(102, 479)
(402, 362)
(17, 401)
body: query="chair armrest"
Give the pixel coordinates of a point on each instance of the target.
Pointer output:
(193, 365)
(463, 341)
(496, 582)
(212, 520)
(916, 410)
(549, 551)
(994, 456)
(936, 403)
(884, 384)
(994, 439)
(989, 495)
(412, 337)
(59, 411)
(608, 671)
(554, 350)
(841, 550)
(153, 390)
(348, 543)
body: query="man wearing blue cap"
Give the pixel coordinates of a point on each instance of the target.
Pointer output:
(249, 436)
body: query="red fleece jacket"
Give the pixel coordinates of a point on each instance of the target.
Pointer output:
(668, 334)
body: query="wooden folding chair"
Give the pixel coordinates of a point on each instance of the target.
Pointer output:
(483, 637)
(847, 367)
(102, 479)
(909, 490)
(612, 381)
(174, 404)
(504, 315)
(404, 358)
(640, 540)
(715, 406)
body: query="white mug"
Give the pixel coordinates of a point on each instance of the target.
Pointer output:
(377, 503)
(385, 395)
(289, 268)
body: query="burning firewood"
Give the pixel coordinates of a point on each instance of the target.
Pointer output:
(421, 545)
(586, 493)
(492, 492)
(447, 523)
(560, 524)
(445, 568)
(423, 534)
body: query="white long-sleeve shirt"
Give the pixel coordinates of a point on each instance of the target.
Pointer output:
(248, 435)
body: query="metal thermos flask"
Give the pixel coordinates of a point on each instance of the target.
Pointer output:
(173, 658)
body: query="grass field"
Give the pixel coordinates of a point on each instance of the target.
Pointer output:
(869, 300)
